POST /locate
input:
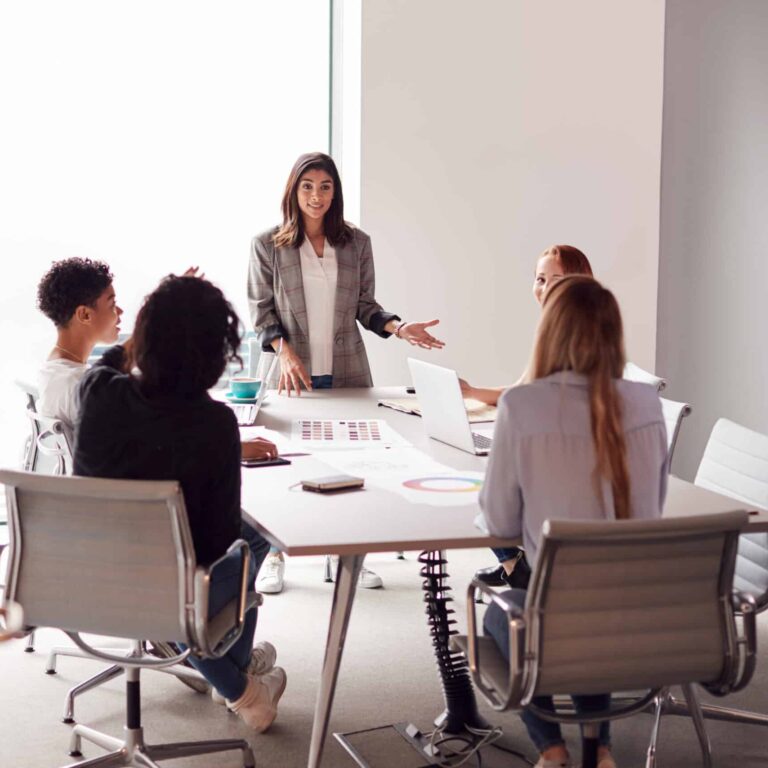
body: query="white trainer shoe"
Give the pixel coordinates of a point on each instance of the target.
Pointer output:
(271, 575)
(369, 579)
(263, 657)
(257, 707)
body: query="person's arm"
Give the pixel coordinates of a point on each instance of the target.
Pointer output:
(487, 395)
(501, 497)
(261, 296)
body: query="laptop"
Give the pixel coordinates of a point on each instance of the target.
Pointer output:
(442, 408)
(246, 413)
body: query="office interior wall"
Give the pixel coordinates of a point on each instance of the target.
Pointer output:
(713, 271)
(490, 131)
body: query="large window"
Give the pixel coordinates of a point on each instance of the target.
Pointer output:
(150, 135)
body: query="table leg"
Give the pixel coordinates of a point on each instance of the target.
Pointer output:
(460, 703)
(347, 576)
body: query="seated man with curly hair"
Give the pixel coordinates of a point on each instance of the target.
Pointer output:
(78, 296)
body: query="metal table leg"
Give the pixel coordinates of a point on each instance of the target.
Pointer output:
(347, 575)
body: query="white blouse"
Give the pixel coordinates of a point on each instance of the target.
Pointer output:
(319, 278)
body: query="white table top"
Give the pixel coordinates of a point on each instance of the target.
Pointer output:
(375, 520)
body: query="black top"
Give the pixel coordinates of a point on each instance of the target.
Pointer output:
(121, 434)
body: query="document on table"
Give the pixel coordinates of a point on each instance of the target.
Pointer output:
(410, 473)
(369, 434)
(477, 411)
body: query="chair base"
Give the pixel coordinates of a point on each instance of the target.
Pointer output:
(190, 677)
(132, 750)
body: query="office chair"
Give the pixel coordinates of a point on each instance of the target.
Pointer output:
(735, 463)
(125, 548)
(633, 372)
(674, 413)
(661, 593)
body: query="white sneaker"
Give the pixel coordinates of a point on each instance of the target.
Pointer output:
(271, 575)
(257, 707)
(263, 657)
(369, 579)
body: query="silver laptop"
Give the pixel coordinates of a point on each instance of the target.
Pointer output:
(442, 408)
(246, 413)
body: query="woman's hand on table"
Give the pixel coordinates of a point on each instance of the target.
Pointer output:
(293, 374)
(258, 448)
(418, 335)
(192, 272)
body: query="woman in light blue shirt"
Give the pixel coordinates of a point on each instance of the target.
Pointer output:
(579, 442)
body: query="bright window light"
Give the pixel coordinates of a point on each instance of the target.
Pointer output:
(150, 135)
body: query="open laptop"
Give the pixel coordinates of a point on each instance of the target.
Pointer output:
(442, 408)
(246, 413)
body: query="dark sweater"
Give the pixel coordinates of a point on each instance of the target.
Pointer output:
(123, 435)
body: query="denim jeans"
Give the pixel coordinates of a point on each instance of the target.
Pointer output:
(227, 674)
(543, 733)
(322, 382)
(502, 555)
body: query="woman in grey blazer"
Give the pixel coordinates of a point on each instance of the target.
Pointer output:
(578, 442)
(311, 281)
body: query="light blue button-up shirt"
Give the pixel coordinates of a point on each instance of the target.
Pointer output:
(543, 457)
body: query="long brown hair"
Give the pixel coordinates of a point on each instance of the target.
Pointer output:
(572, 260)
(581, 331)
(291, 233)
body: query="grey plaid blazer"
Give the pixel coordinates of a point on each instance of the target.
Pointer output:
(277, 306)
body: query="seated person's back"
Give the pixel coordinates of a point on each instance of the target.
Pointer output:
(123, 434)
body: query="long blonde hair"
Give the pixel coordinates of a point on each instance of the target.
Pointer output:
(581, 331)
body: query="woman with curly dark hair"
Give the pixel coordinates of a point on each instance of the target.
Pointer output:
(159, 423)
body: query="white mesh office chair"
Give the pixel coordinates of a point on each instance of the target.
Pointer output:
(634, 372)
(674, 413)
(659, 592)
(124, 548)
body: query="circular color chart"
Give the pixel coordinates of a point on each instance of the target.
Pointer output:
(444, 484)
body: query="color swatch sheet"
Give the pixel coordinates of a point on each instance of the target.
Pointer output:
(411, 474)
(345, 433)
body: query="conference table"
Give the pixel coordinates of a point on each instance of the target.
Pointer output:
(352, 524)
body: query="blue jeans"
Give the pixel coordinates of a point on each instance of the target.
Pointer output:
(502, 555)
(322, 382)
(227, 674)
(543, 733)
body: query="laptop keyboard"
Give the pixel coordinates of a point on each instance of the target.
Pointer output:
(246, 414)
(482, 442)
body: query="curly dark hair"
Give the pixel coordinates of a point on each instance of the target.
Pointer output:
(186, 332)
(69, 284)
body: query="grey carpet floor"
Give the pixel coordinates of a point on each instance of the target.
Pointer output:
(388, 675)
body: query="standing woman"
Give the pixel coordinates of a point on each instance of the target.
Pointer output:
(311, 280)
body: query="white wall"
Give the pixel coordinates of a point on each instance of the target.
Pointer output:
(491, 130)
(713, 312)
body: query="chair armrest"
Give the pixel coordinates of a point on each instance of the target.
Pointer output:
(207, 648)
(511, 696)
(745, 606)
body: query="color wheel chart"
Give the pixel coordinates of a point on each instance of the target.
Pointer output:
(452, 484)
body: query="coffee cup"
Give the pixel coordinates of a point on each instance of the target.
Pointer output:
(244, 386)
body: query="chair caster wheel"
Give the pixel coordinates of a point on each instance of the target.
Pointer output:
(50, 671)
(69, 721)
(29, 650)
(75, 753)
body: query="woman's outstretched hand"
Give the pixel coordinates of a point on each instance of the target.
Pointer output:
(418, 335)
(292, 372)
